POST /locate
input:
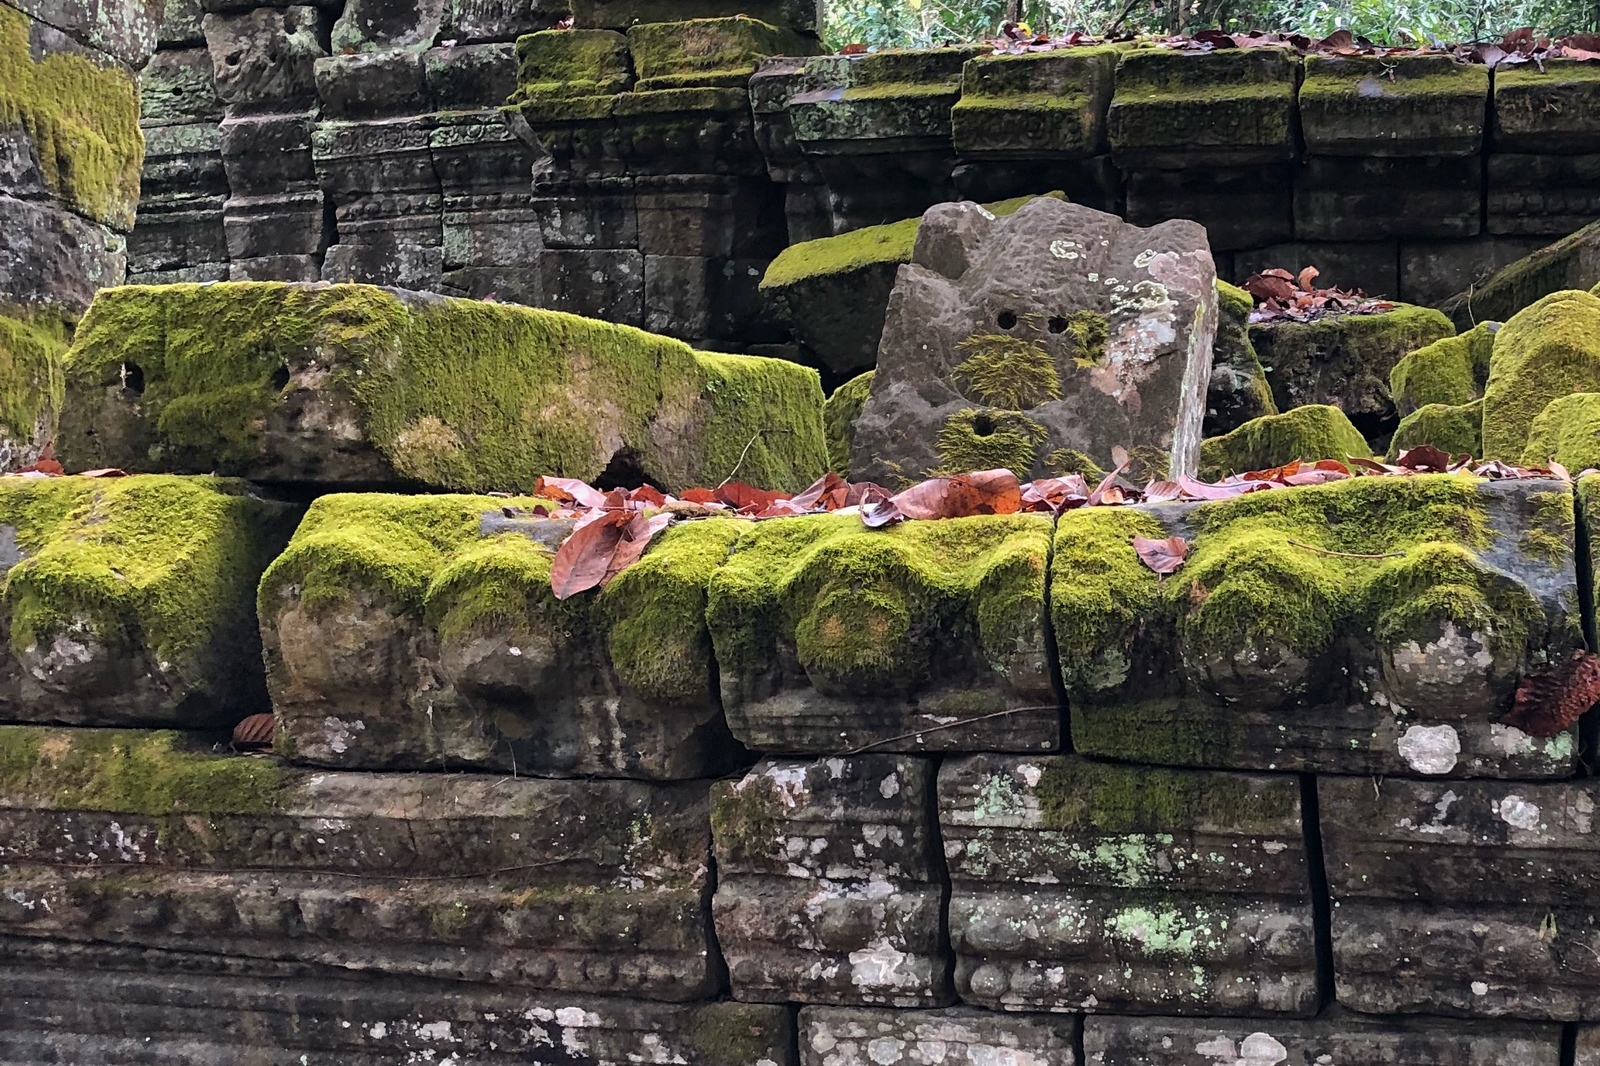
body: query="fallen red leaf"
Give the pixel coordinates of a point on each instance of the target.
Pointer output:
(1162, 556)
(1424, 457)
(599, 550)
(254, 731)
(742, 497)
(569, 490)
(978, 493)
(104, 471)
(1550, 701)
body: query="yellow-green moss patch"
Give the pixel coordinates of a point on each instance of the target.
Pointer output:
(32, 343)
(1568, 431)
(1315, 431)
(1457, 430)
(1547, 351)
(1451, 371)
(839, 416)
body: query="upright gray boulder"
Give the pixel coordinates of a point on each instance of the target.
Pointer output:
(1018, 341)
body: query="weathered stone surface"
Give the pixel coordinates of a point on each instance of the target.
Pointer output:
(376, 25)
(129, 838)
(1049, 104)
(900, 100)
(1547, 107)
(803, 15)
(842, 1036)
(1542, 195)
(1238, 390)
(1240, 207)
(1271, 655)
(1372, 198)
(1345, 360)
(472, 21)
(359, 385)
(125, 29)
(1453, 428)
(1085, 886)
(828, 887)
(52, 256)
(69, 123)
(1340, 1037)
(406, 633)
(1544, 352)
(1175, 109)
(1463, 897)
(264, 58)
(1056, 328)
(151, 621)
(32, 341)
(1420, 105)
(1432, 272)
(129, 1007)
(387, 201)
(1570, 263)
(830, 636)
(1565, 432)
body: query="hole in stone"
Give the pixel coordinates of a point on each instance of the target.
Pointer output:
(280, 377)
(1058, 324)
(1006, 319)
(624, 471)
(133, 378)
(234, 57)
(982, 425)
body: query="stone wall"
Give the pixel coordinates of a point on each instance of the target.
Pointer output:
(670, 169)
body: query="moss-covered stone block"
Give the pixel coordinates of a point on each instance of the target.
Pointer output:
(1419, 105)
(1238, 390)
(804, 16)
(839, 415)
(902, 97)
(1452, 370)
(1453, 428)
(1566, 431)
(828, 884)
(1345, 360)
(1373, 625)
(1234, 107)
(1139, 890)
(129, 601)
(1036, 105)
(1547, 107)
(144, 839)
(921, 637)
(832, 291)
(1547, 351)
(351, 384)
(71, 117)
(560, 64)
(725, 51)
(32, 342)
(1316, 431)
(1573, 262)
(413, 632)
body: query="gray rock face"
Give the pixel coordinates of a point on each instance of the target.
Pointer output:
(1340, 1037)
(837, 1036)
(1057, 327)
(117, 1006)
(1084, 886)
(264, 58)
(584, 887)
(828, 884)
(1465, 897)
(50, 255)
(125, 29)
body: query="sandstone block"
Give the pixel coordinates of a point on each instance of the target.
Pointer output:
(356, 385)
(1238, 390)
(1468, 898)
(380, 25)
(1044, 104)
(1085, 886)
(844, 1036)
(1376, 198)
(1240, 207)
(802, 15)
(1268, 654)
(414, 632)
(140, 840)
(1570, 263)
(176, 87)
(828, 889)
(1308, 433)
(1547, 107)
(125, 29)
(1542, 195)
(895, 100)
(473, 21)
(1543, 352)
(1229, 108)
(923, 637)
(264, 58)
(1421, 105)
(32, 341)
(1055, 329)
(52, 256)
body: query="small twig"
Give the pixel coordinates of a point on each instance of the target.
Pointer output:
(948, 725)
(1116, 23)
(1346, 555)
(748, 445)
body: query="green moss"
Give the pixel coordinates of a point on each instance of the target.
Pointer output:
(1544, 352)
(455, 393)
(861, 608)
(1009, 372)
(1316, 431)
(163, 563)
(1552, 535)
(32, 343)
(1566, 264)
(1065, 461)
(839, 416)
(1442, 581)
(1347, 358)
(892, 242)
(989, 440)
(1236, 369)
(131, 772)
(1098, 591)
(1568, 431)
(730, 1034)
(746, 817)
(708, 51)
(1457, 430)
(82, 118)
(571, 63)
(1078, 796)
(1452, 370)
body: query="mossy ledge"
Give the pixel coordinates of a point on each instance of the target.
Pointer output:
(1315, 431)
(1548, 350)
(352, 383)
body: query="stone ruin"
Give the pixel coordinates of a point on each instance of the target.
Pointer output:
(795, 792)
